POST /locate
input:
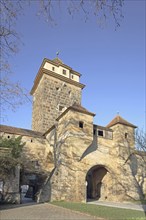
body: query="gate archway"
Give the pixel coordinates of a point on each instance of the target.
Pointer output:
(94, 179)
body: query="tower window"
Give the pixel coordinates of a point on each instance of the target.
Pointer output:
(61, 107)
(81, 124)
(100, 133)
(72, 76)
(126, 135)
(94, 131)
(53, 68)
(64, 72)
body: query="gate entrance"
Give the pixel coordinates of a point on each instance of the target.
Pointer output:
(28, 187)
(94, 179)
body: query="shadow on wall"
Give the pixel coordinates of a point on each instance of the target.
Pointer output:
(92, 147)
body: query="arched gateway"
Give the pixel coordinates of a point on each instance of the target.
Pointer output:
(94, 179)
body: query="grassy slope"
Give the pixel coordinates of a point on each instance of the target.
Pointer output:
(103, 212)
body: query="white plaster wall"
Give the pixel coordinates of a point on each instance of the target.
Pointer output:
(75, 77)
(59, 70)
(49, 66)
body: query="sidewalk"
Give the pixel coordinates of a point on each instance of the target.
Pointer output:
(44, 211)
(124, 205)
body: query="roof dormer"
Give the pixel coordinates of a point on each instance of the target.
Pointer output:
(57, 66)
(57, 69)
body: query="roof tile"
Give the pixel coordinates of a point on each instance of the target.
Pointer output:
(20, 131)
(119, 120)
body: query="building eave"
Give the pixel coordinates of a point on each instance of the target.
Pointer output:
(73, 108)
(61, 64)
(43, 71)
(119, 120)
(20, 131)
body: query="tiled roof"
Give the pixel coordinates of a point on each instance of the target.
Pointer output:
(78, 108)
(119, 120)
(20, 131)
(74, 107)
(57, 61)
(103, 128)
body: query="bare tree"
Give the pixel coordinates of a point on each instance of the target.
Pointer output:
(141, 140)
(101, 9)
(12, 93)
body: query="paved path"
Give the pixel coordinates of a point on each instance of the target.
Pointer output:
(123, 205)
(33, 211)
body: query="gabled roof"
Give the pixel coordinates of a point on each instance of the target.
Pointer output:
(20, 131)
(103, 128)
(74, 107)
(78, 108)
(59, 62)
(119, 120)
(56, 62)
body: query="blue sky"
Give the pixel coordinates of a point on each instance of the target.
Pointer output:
(112, 63)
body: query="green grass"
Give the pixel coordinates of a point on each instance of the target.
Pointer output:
(102, 211)
(140, 202)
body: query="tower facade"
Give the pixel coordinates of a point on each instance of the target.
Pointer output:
(56, 87)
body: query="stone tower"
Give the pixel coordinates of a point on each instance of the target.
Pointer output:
(56, 87)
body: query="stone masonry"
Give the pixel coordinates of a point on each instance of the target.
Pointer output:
(98, 164)
(51, 97)
(68, 157)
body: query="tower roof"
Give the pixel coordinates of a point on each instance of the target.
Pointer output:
(57, 61)
(119, 120)
(75, 107)
(78, 108)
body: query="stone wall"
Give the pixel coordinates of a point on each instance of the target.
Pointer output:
(36, 161)
(73, 159)
(71, 141)
(11, 187)
(79, 150)
(50, 97)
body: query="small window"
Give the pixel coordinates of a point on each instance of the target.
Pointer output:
(100, 133)
(81, 124)
(126, 135)
(64, 72)
(94, 131)
(53, 68)
(61, 107)
(72, 76)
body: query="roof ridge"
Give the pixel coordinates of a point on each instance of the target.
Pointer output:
(119, 120)
(57, 60)
(79, 107)
(20, 131)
